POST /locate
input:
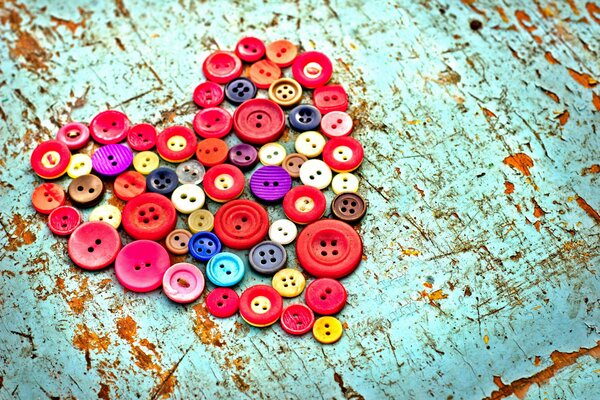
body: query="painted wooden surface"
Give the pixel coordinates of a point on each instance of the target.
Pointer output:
(480, 279)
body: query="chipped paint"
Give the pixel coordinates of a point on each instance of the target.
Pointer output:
(521, 162)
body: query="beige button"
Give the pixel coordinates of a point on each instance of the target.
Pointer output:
(188, 198)
(223, 181)
(107, 213)
(260, 304)
(310, 143)
(201, 221)
(288, 282)
(315, 173)
(272, 154)
(285, 91)
(344, 183)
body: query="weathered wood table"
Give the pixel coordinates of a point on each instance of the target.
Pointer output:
(480, 121)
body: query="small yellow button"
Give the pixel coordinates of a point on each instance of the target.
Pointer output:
(344, 183)
(176, 143)
(288, 282)
(224, 181)
(310, 143)
(327, 330)
(145, 162)
(260, 305)
(80, 164)
(201, 221)
(285, 91)
(107, 213)
(272, 154)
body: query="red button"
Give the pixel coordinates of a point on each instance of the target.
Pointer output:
(304, 204)
(141, 137)
(50, 159)
(250, 49)
(213, 122)
(64, 220)
(222, 67)
(336, 124)
(129, 185)
(343, 154)
(223, 182)
(149, 216)
(282, 52)
(329, 249)
(47, 197)
(241, 224)
(312, 69)
(94, 245)
(109, 127)
(263, 73)
(259, 121)
(176, 143)
(260, 305)
(141, 265)
(325, 296)
(330, 98)
(297, 319)
(211, 152)
(74, 134)
(208, 94)
(222, 302)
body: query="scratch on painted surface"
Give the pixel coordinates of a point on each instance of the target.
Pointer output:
(587, 208)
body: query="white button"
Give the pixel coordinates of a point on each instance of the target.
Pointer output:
(342, 153)
(80, 164)
(107, 213)
(310, 143)
(344, 183)
(272, 154)
(315, 173)
(283, 231)
(188, 198)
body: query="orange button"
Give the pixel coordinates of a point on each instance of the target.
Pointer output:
(211, 152)
(263, 73)
(282, 52)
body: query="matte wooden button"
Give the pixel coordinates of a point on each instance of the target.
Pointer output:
(107, 213)
(343, 154)
(129, 185)
(286, 92)
(80, 164)
(315, 173)
(112, 159)
(208, 94)
(224, 182)
(183, 282)
(222, 66)
(344, 183)
(188, 198)
(109, 127)
(336, 124)
(201, 221)
(94, 245)
(312, 69)
(283, 231)
(191, 171)
(330, 98)
(86, 191)
(240, 224)
(214, 122)
(292, 163)
(141, 137)
(271, 154)
(222, 302)
(250, 49)
(63, 220)
(258, 121)
(297, 319)
(349, 207)
(211, 152)
(304, 204)
(326, 296)
(149, 216)
(176, 144)
(281, 52)
(177, 241)
(141, 265)
(74, 134)
(225, 269)
(267, 257)
(288, 282)
(263, 73)
(310, 143)
(47, 197)
(260, 305)
(145, 162)
(327, 330)
(50, 159)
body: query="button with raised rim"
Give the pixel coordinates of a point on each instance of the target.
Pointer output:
(190, 171)
(272, 154)
(107, 213)
(315, 173)
(250, 49)
(312, 69)
(349, 207)
(224, 182)
(201, 221)
(310, 143)
(177, 241)
(270, 183)
(285, 91)
(240, 90)
(243, 156)
(141, 265)
(214, 122)
(162, 180)
(129, 184)
(47, 197)
(282, 52)
(297, 319)
(112, 159)
(336, 124)
(263, 73)
(211, 152)
(304, 118)
(222, 66)
(80, 164)
(149, 216)
(146, 162)
(327, 330)
(289, 282)
(330, 98)
(343, 154)
(260, 305)
(74, 134)
(50, 159)
(304, 204)
(141, 137)
(208, 94)
(86, 191)
(283, 231)
(183, 282)
(258, 121)
(204, 245)
(292, 164)
(222, 302)
(267, 257)
(240, 224)
(109, 127)
(176, 143)
(63, 220)
(225, 269)
(326, 296)
(94, 245)
(187, 198)
(344, 182)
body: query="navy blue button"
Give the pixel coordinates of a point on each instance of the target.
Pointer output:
(225, 269)
(239, 90)
(304, 118)
(204, 245)
(162, 180)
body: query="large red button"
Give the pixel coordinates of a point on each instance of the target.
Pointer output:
(176, 143)
(141, 265)
(211, 152)
(149, 216)
(50, 159)
(47, 197)
(259, 121)
(129, 185)
(141, 137)
(241, 224)
(343, 154)
(222, 302)
(63, 220)
(326, 296)
(214, 122)
(222, 67)
(94, 245)
(297, 319)
(330, 98)
(304, 204)
(208, 94)
(312, 69)
(250, 49)
(109, 127)
(260, 305)
(224, 182)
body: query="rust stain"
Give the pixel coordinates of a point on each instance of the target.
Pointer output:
(448, 77)
(471, 5)
(411, 252)
(166, 386)
(594, 169)
(348, 391)
(583, 79)
(524, 20)
(537, 210)
(537, 225)
(502, 14)
(21, 235)
(596, 101)
(86, 341)
(126, 328)
(550, 58)
(488, 113)
(563, 117)
(144, 360)
(27, 47)
(239, 383)
(537, 361)
(206, 330)
(72, 26)
(521, 162)
(420, 191)
(433, 297)
(550, 94)
(121, 9)
(587, 208)
(104, 392)
(573, 7)
(594, 11)
(509, 187)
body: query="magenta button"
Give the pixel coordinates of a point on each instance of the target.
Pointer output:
(270, 183)
(74, 134)
(141, 264)
(112, 159)
(109, 127)
(183, 283)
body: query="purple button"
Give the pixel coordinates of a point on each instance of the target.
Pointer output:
(270, 183)
(112, 159)
(74, 134)
(243, 156)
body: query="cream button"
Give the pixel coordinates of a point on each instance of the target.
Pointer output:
(188, 198)
(80, 164)
(272, 154)
(107, 213)
(283, 231)
(344, 183)
(315, 173)
(310, 143)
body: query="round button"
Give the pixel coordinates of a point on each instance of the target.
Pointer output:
(141, 137)
(304, 118)
(349, 207)
(183, 283)
(239, 90)
(211, 152)
(214, 122)
(270, 183)
(109, 127)
(176, 144)
(285, 91)
(47, 197)
(292, 163)
(281, 52)
(327, 330)
(188, 198)
(304, 204)
(260, 305)
(222, 67)
(224, 182)
(344, 183)
(80, 164)
(312, 69)
(272, 154)
(258, 121)
(74, 134)
(283, 231)
(149, 216)
(204, 246)
(263, 73)
(329, 249)
(222, 302)
(250, 49)
(201, 221)
(330, 98)
(86, 191)
(145, 162)
(243, 156)
(225, 269)
(162, 180)
(208, 94)
(240, 224)
(267, 257)
(326, 296)
(94, 245)
(107, 213)
(315, 173)
(336, 124)
(50, 159)
(141, 265)
(112, 159)
(310, 143)
(289, 282)
(343, 154)
(190, 171)
(297, 319)
(129, 185)
(63, 220)
(177, 241)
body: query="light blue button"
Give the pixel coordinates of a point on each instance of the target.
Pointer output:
(225, 269)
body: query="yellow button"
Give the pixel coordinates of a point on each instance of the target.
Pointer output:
(310, 143)
(344, 183)
(176, 143)
(107, 213)
(288, 282)
(80, 164)
(201, 221)
(327, 330)
(285, 91)
(272, 154)
(260, 305)
(145, 162)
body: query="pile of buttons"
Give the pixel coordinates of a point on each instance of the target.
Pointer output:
(326, 249)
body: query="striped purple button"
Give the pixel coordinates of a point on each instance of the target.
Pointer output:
(270, 183)
(112, 159)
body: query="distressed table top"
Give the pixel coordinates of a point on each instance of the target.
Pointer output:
(480, 279)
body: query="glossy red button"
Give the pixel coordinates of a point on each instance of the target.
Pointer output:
(261, 305)
(94, 245)
(343, 154)
(250, 49)
(129, 185)
(222, 302)
(330, 98)
(141, 137)
(325, 296)
(50, 159)
(329, 249)
(149, 216)
(183, 283)
(336, 124)
(47, 197)
(223, 182)
(312, 69)
(74, 134)
(214, 122)
(176, 143)
(63, 220)
(282, 52)
(222, 67)
(259, 121)
(241, 224)
(141, 265)
(211, 152)
(109, 127)
(208, 94)
(297, 319)
(304, 204)
(263, 73)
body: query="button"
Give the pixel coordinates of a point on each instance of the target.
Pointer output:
(310, 143)
(214, 122)
(190, 171)
(304, 118)
(149, 216)
(94, 245)
(330, 98)
(267, 257)
(74, 134)
(162, 180)
(141, 265)
(222, 302)
(312, 69)
(304, 204)
(263, 73)
(129, 184)
(326, 296)
(283, 231)
(289, 282)
(225, 269)
(142, 137)
(222, 67)
(86, 191)
(270, 183)
(281, 52)
(297, 319)
(63, 220)
(349, 207)
(176, 144)
(211, 152)
(258, 121)
(177, 241)
(80, 164)
(343, 154)
(260, 305)
(204, 246)
(327, 330)
(145, 162)
(112, 159)
(183, 282)
(109, 127)
(201, 221)
(50, 159)
(250, 49)
(292, 164)
(240, 224)
(243, 156)
(208, 94)
(188, 198)
(329, 249)
(224, 182)
(336, 124)
(47, 197)
(315, 173)
(107, 213)
(286, 92)
(344, 183)
(239, 90)
(271, 154)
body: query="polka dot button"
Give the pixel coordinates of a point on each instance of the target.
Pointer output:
(297, 319)
(176, 144)
(281, 52)
(201, 221)
(260, 305)
(222, 67)
(286, 92)
(183, 283)
(214, 122)
(315, 173)
(177, 241)
(188, 198)
(141, 265)
(211, 152)
(330, 98)
(225, 269)
(222, 302)
(141, 137)
(162, 180)
(292, 164)
(112, 159)
(86, 191)
(271, 154)
(149, 216)
(80, 164)
(283, 231)
(74, 134)
(94, 245)
(336, 124)
(190, 171)
(204, 245)
(239, 90)
(326, 296)
(312, 69)
(46, 197)
(327, 330)
(250, 49)
(107, 213)
(129, 184)
(267, 257)
(50, 159)
(310, 143)
(349, 207)
(263, 73)
(63, 220)
(208, 94)
(304, 118)
(344, 183)
(304, 204)
(109, 127)
(288, 282)
(243, 156)
(145, 162)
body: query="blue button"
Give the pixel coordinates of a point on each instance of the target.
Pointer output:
(204, 245)
(225, 269)
(304, 118)
(239, 90)
(162, 180)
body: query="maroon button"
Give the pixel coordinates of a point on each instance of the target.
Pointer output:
(222, 66)
(297, 319)
(74, 134)
(214, 122)
(94, 245)
(208, 94)
(325, 296)
(349, 207)
(141, 137)
(64, 220)
(109, 127)
(259, 121)
(243, 156)
(250, 49)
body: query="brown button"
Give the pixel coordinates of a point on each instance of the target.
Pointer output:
(292, 164)
(86, 191)
(349, 207)
(177, 241)
(286, 92)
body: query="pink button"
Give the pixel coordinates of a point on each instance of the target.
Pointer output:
(336, 124)
(74, 134)
(222, 302)
(141, 265)
(183, 283)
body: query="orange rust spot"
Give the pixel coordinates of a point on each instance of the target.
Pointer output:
(126, 328)
(524, 19)
(573, 7)
(471, 5)
(537, 210)
(587, 208)
(427, 285)
(22, 234)
(537, 225)
(509, 187)
(86, 340)
(420, 191)
(521, 162)
(239, 383)
(583, 79)
(550, 58)
(411, 252)
(518, 207)
(516, 256)
(206, 330)
(563, 117)
(537, 361)
(594, 11)
(70, 25)
(166, 386)
(502, 14)
(432, 297)
(27, 47)
(594, 169)
(104, 392)
(596, 101)
(488, 113)
(144, 360)
(550, 94)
